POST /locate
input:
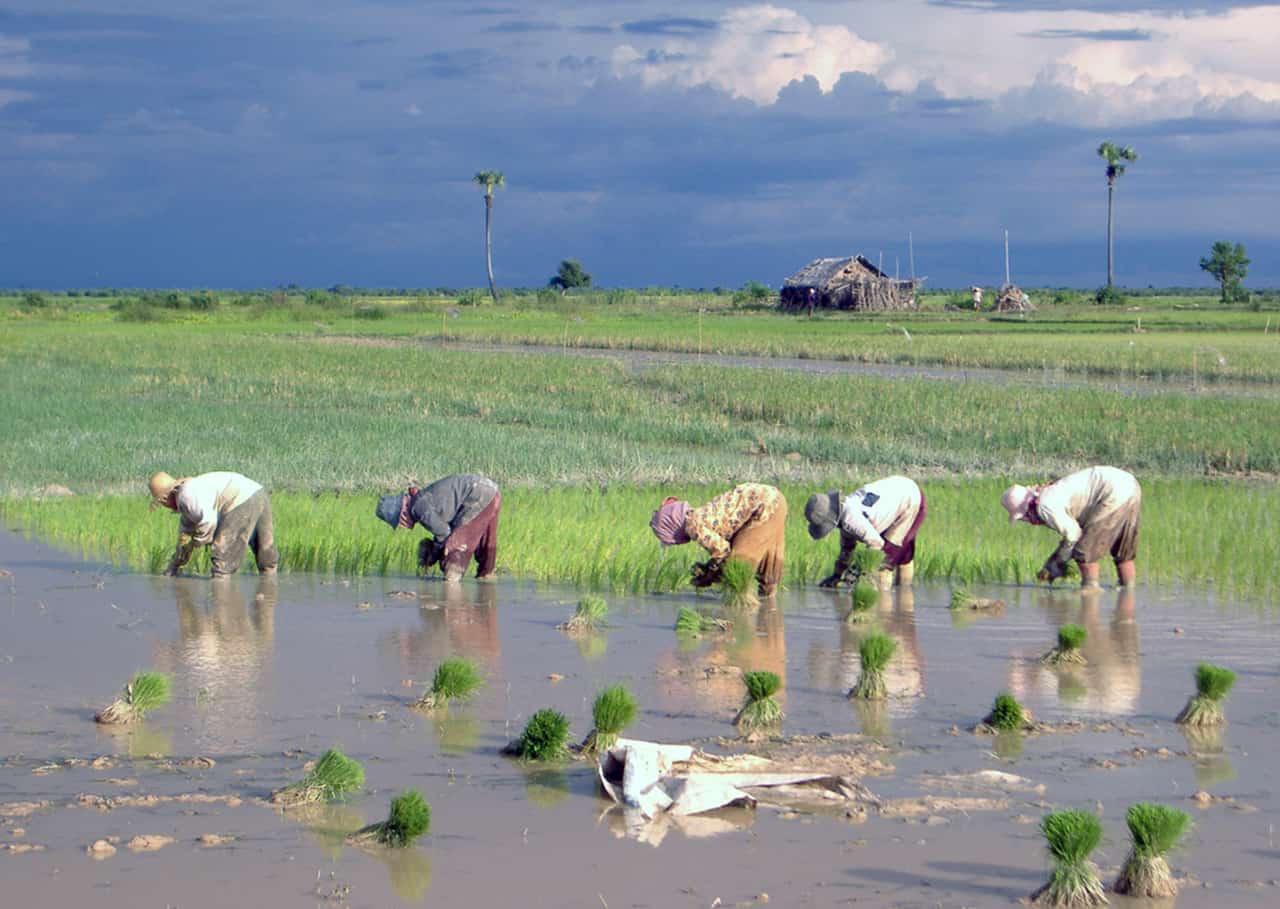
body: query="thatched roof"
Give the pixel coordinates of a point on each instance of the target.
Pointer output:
(828, 272)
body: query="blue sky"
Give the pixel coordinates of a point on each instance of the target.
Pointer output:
(245, 143)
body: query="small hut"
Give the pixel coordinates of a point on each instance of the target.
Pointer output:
(1013, 298)
(853, 282)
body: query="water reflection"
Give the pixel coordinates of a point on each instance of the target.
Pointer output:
(630, 823)
(454, 620)
(546, 787)
(709, 679)
(1111, 682)
(224, 651)
(409, 871)
(1209, 763)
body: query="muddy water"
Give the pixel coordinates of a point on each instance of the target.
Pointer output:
(266, 675)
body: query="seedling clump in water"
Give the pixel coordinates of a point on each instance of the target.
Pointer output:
(691, 623)
(875, 652)
(1154, 831)
(862, 603)
(613, 711)
(545, 737)
(963, 599)
(587, 617)
(1071, 836)
(144, 692)
(410, 818)
(1070, 637)
(761, 710)
(738, 584)
(456, 679)
(332, 777)
(1006, 713)
(1205, 707)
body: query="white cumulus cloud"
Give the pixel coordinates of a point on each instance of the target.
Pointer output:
(752, 53)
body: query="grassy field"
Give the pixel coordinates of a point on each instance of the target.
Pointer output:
(586, 447)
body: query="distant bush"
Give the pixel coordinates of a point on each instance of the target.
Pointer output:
(34, 299)
(204, 300)
(370, 311)
(139, 311)
(472, 296)
(753, 292)
(321, 298)
(1064, 297)
(1108, 296)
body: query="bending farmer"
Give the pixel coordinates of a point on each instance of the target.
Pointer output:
(461, 513)
(1095, 511)
(747, 522)
(884, 515)
(222, 510)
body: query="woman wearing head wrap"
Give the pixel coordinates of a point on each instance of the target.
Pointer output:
(747, 522)
(1095, 511)
(223, 510)
(461, 513)
(884, 515)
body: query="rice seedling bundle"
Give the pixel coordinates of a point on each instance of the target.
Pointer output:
(410, 817)
(862, 603)
(874, 652)
(1154, 831)
(1006, 713)
(142, 694)
(588, 616)
(545, 737)
(1070, 638)
(760, 711)
(332, 777)
(691, 623)
(614, 709)
(455, 679)
(1071, 836)
(1213, 683)
(961, 599)
(738, 585)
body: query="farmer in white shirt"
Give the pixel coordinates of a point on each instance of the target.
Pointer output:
(884, 515)
(1095, 511)
(225, 511)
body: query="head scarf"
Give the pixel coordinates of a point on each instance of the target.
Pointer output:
(822, 511)
(668, 522)
(394, 509)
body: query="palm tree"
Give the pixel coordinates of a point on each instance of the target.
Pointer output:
(490, 180)
(1117, 158)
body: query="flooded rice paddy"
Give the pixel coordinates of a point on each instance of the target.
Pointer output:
(268, 674)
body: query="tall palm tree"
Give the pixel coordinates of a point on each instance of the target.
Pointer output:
(1117, 158)
(490, 180)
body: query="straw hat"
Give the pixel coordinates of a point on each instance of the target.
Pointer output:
(161, 486)
(1016, 500)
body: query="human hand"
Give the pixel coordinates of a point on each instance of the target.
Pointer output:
(831, 580)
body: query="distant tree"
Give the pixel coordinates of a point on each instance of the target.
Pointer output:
(1229, 265)
(571, 274)
(35, 299)
(1117, 158)
(490, 180)
(204, 299)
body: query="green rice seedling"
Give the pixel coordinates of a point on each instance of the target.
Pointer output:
(962, 599)
(875, 651)
(862, 603)
(738, 585)
(1205, 707)
(456, 679)
(545, 737)
(1006, 713)
(410, 818)
(614, 709)
(587, 617)
(333, 776)
(1071, 836)
(1070, 637)
(1154, 831)
(760, 711)
(142, 694)
(691, 623)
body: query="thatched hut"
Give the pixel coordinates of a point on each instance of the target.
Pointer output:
(1013, 298)
(853, 282)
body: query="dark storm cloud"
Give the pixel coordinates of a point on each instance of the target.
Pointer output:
(672, 27)
(1099, 34)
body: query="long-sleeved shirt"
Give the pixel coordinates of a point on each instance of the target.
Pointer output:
(1071, 503)
(714, 523)
(451, 501)
(203, 500)
(873, 509)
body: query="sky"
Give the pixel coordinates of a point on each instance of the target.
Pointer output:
(254, 143)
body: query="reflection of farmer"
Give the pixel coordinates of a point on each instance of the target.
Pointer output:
(461, 513)
(225, 511)
(747, 522)
(883, 515)
(1095, 511)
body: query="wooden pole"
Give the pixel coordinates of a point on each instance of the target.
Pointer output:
(1006, 257)
(911, 256)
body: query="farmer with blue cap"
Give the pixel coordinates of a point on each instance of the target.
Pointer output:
(884, 515)
(460, 512)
